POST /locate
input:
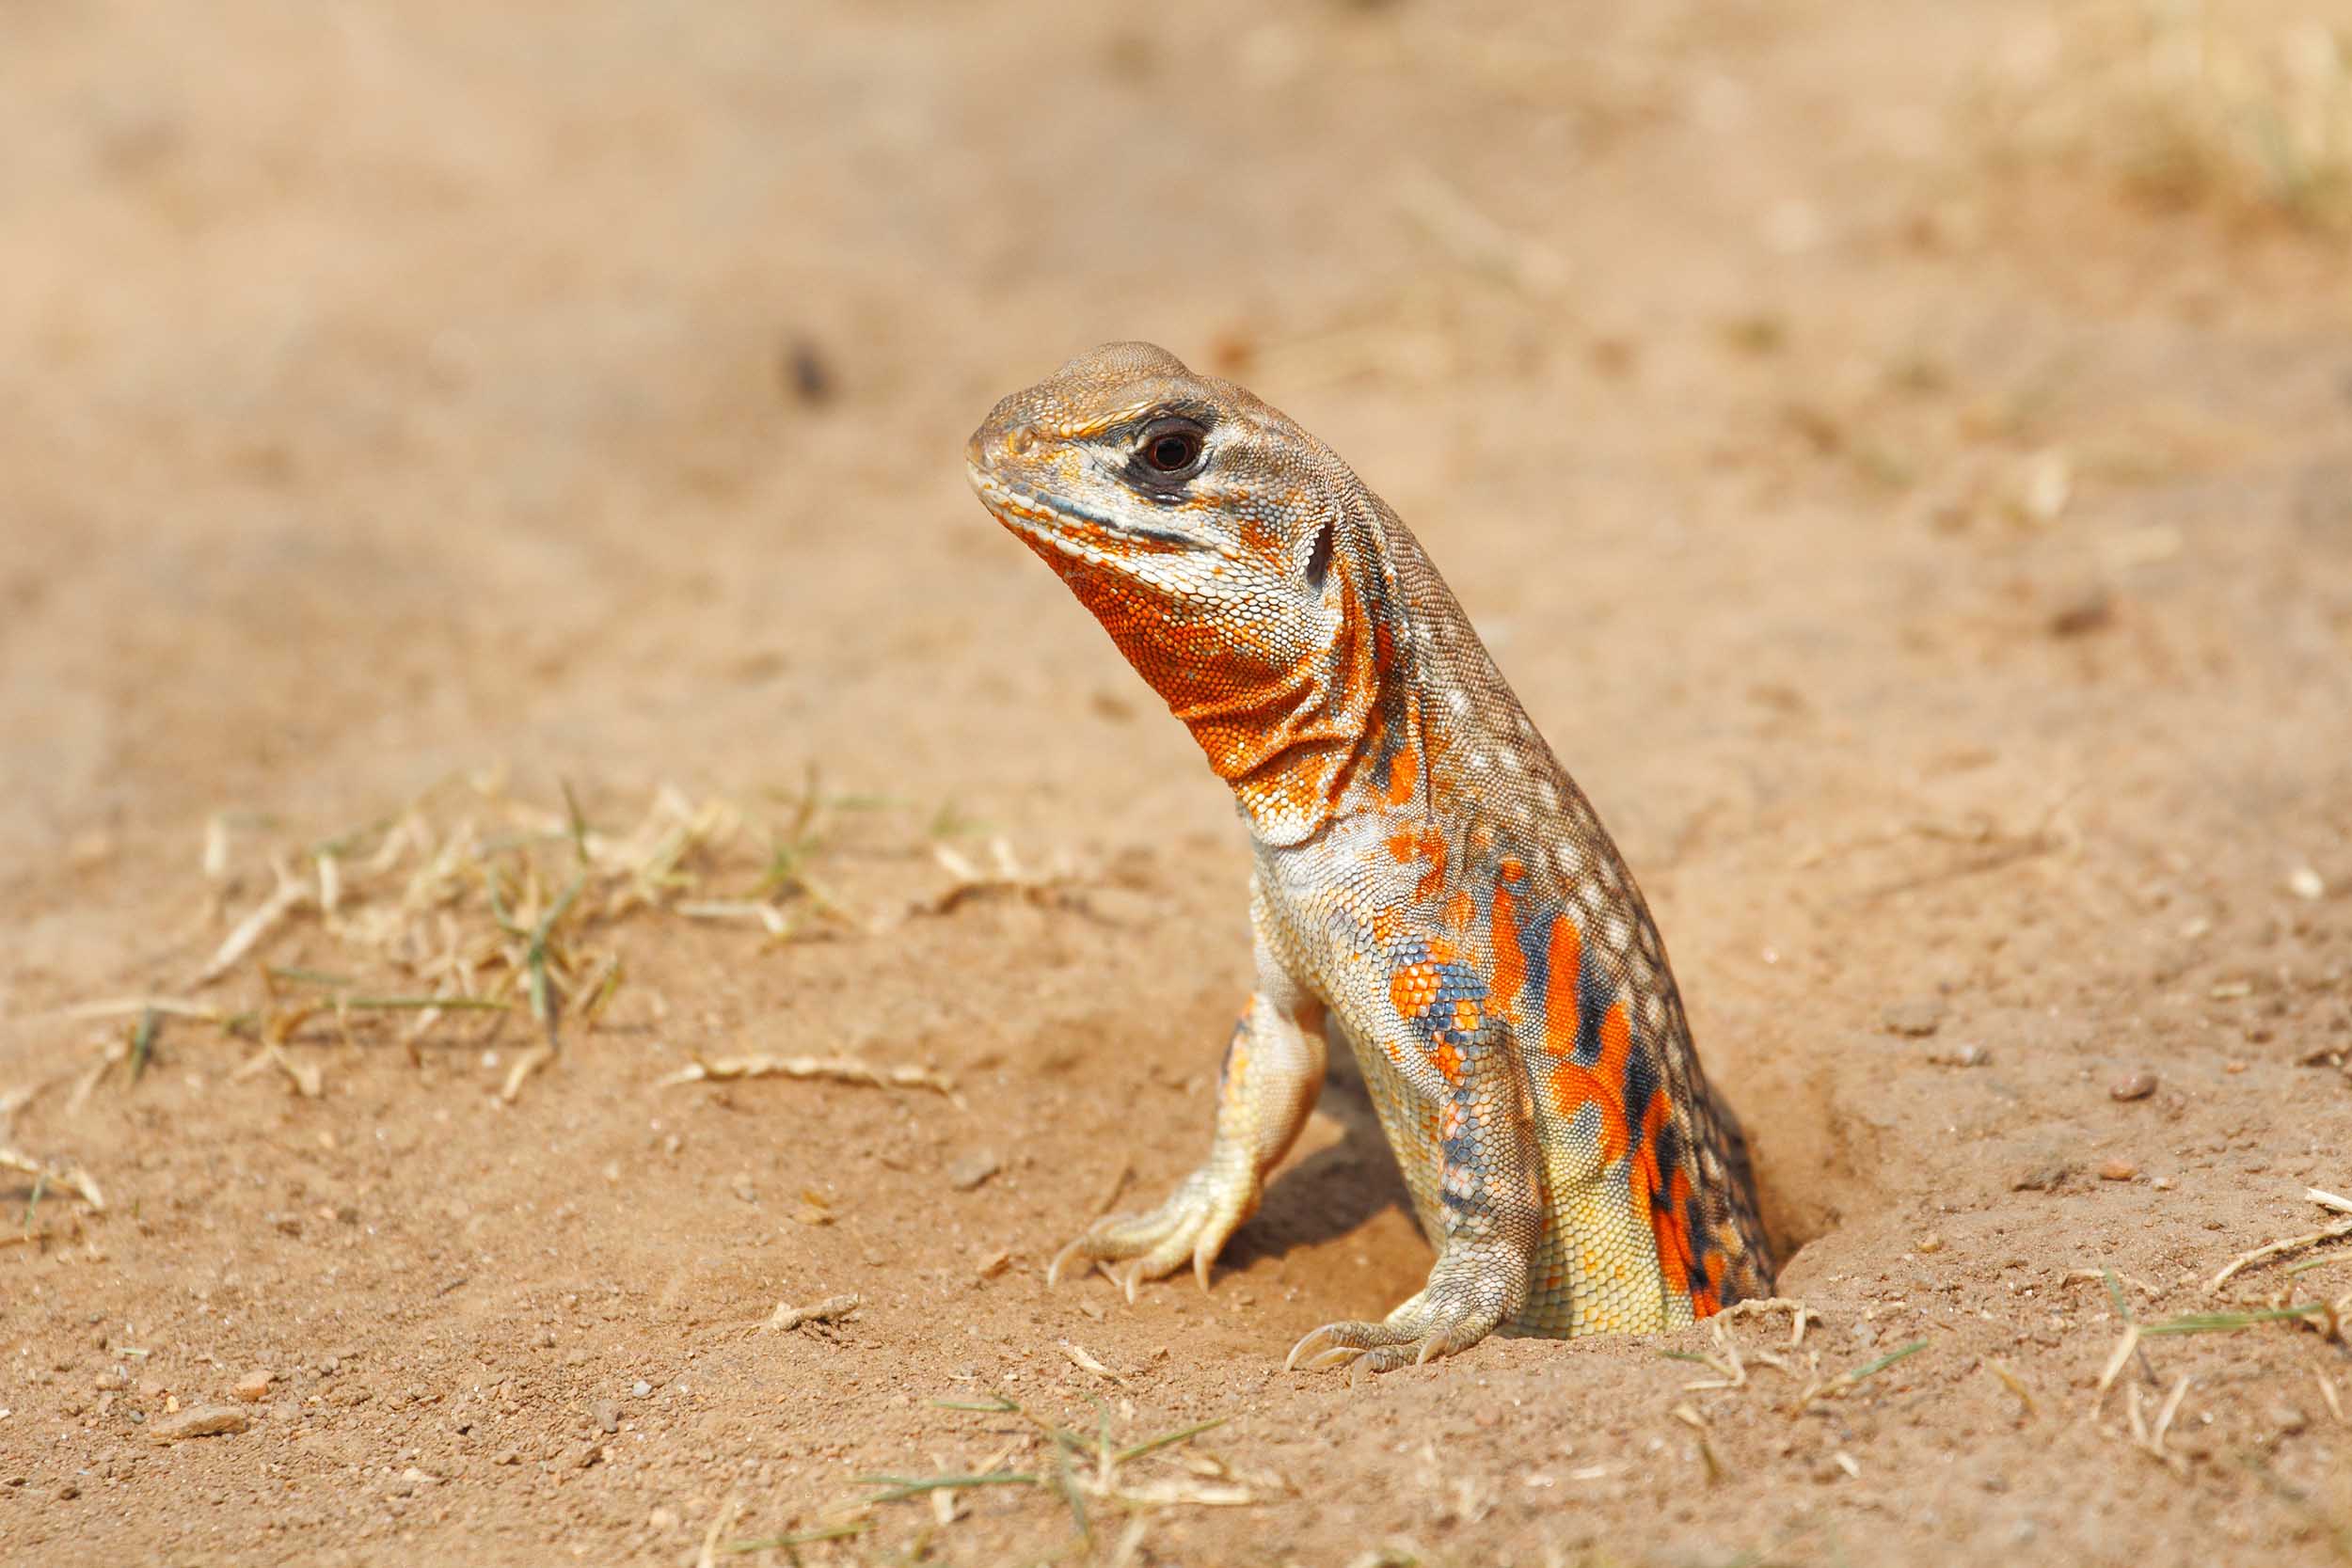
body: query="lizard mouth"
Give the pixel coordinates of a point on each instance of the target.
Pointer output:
(1062, 521)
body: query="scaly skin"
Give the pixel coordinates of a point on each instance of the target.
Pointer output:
(1429, 881)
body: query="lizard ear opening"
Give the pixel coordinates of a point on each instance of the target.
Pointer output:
(1319, 559)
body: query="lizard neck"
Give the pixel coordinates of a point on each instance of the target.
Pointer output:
(1342, 730)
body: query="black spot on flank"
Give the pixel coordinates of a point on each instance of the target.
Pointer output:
(1669, 1160)
(1594, 992)
(1702, 1233)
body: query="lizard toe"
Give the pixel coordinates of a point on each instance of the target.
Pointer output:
(1192, 1226)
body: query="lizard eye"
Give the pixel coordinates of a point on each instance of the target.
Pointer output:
(1171, 447)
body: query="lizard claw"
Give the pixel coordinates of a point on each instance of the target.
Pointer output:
(1382, 1347)
(1191, 1226)
(1460, 1307)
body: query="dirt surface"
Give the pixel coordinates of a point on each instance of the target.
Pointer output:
(1922, 522)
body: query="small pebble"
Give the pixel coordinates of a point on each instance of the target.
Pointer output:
(745, 1190)
(661, 1519)
(2304, 883)
(973, 1168)
(1930, 1243)
(1967, 1055)
(643, 1389)
(1918, 1017)
(2287, 1418)
(608, 1416)
(2138, 1085)
(2118, 1170)
(254, 1386)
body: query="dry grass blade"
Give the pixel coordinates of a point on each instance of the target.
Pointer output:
(307, 1081)
(899, 1488)
(801, 1538)
(843, 1069)
(753, 910)
(832, 1310)
(1079, 1357)
(525, 1065)
(1171, 1491)
(1212, 1486)
(1167, 1439)
(1799, 1313)
(17, 1099)
(1008, 875)
(50, 1174)
(2231, 1323)
(719, 1526)
(2276, 1249)
(288, 894)
(2119, 1357)
(123, 1006)
(2010, 1381)
(1731, 1372)
(1845, 1383)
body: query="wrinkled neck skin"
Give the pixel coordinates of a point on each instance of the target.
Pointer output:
(1305, 728)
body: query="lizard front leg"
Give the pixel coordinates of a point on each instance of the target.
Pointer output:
(1273, 1070)
(1457, 1067)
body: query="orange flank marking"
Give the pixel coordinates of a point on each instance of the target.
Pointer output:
(1466, 1017)
(1708, 1299)
(1401, 845)
(1617, 1037)
(1511, 869)
(1448, 1062)
(1459, 911)
(1677, 1260)
(1564, 952)
(1600, 1086)
(1412, 988)
(1502, 929)
(1388, 924)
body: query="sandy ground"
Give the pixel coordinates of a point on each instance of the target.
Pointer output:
(1926, 534)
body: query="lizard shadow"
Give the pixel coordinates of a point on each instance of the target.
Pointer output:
(1332, 1191)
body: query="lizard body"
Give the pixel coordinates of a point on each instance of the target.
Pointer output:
(1429, 883)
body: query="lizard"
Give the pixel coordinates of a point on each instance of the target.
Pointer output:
(1428, 884)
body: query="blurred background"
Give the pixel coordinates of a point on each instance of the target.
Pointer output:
(1901, 452)
(384, 378)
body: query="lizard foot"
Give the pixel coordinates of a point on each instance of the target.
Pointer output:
(1194, 1223)
(1462, 1303)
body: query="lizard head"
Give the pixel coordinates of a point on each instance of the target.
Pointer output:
(1196, 523)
